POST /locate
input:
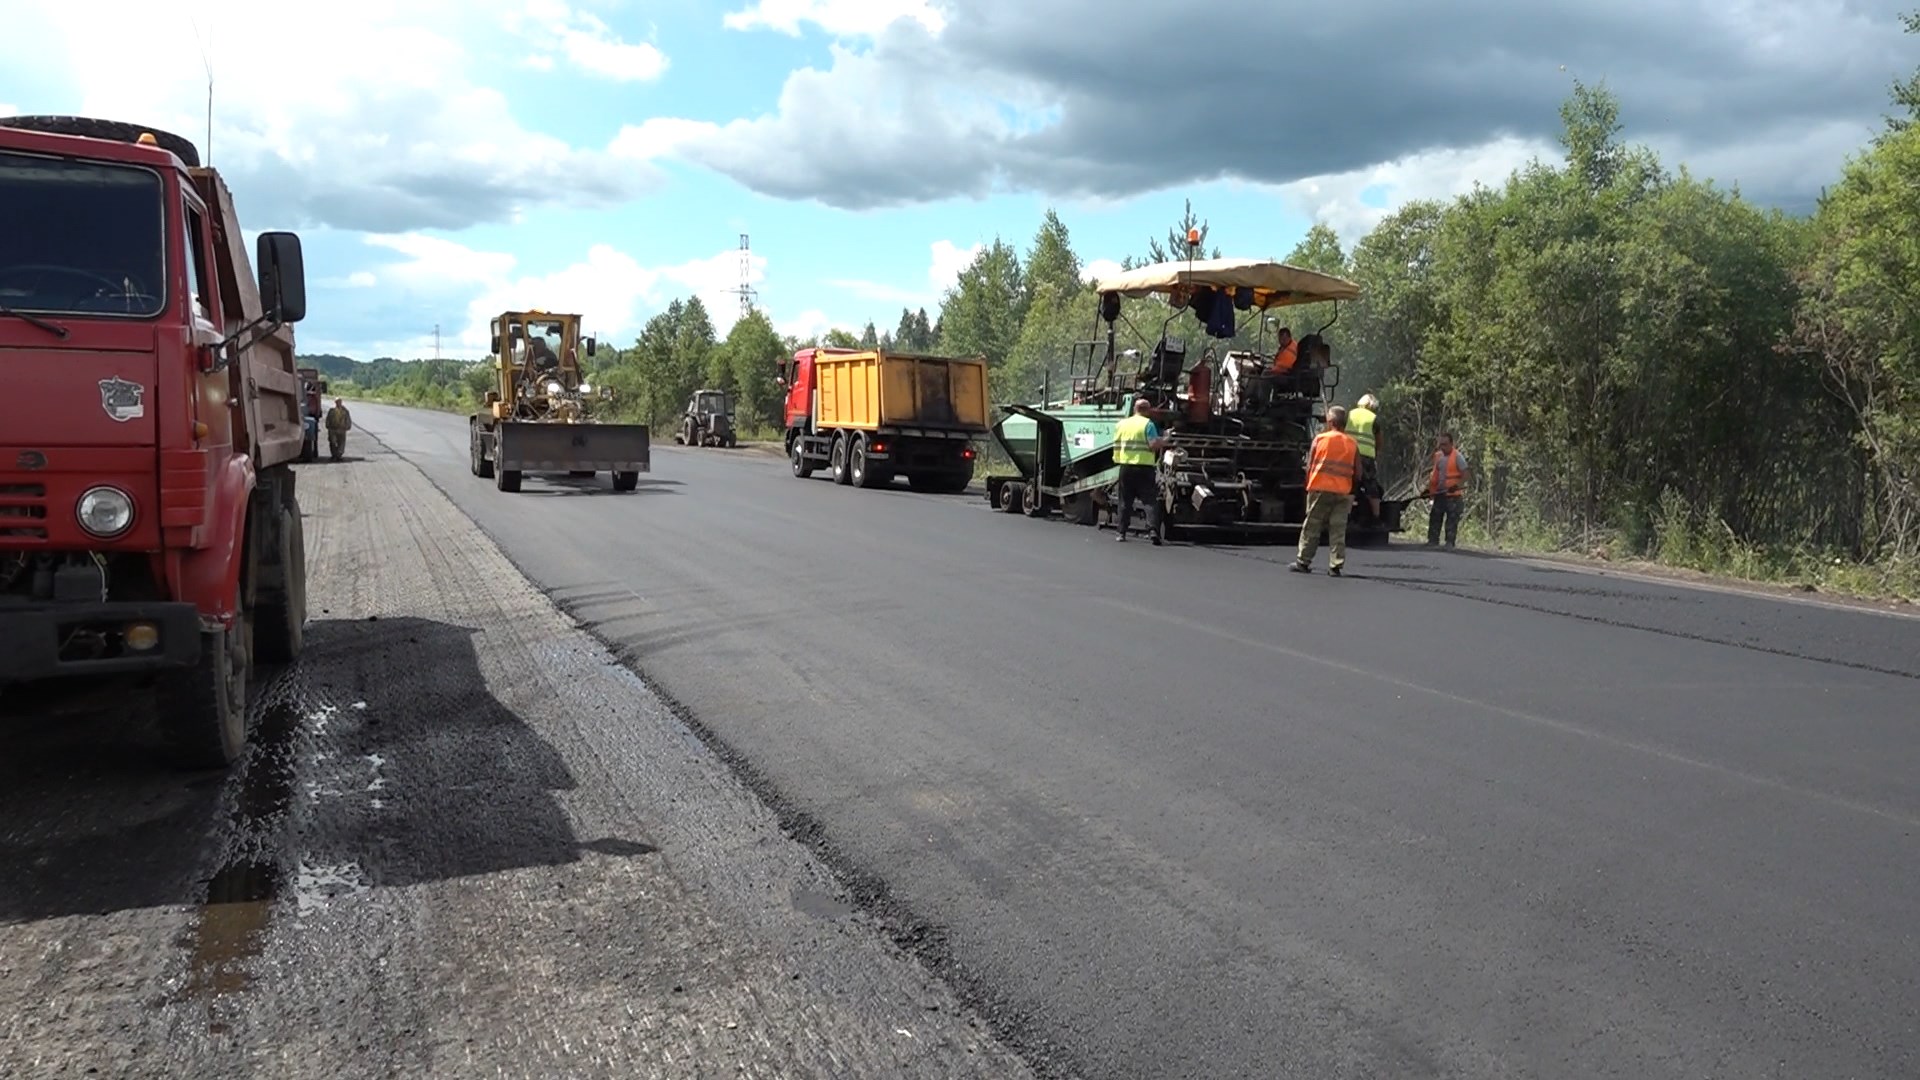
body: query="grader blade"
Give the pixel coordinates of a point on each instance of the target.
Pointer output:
(536, 447)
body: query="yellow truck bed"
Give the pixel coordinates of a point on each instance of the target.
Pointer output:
(869, 390)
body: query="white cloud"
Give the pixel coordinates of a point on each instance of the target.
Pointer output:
(391, 116)
(359, 279)
(610, 288)
(843, 18)
(811, 323)
(949, 259)
(592, 47)
(1339, 200)
(1098, 269)
(881, 293)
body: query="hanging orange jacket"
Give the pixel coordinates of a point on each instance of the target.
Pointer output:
(1335, 463)
(1452, 486)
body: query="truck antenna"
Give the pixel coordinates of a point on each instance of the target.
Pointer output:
(206, 61)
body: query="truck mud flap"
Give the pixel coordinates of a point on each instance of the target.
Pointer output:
(521, 447)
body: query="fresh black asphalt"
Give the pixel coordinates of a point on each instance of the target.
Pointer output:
(1175, 812)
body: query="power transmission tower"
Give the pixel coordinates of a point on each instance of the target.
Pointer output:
(745, 292)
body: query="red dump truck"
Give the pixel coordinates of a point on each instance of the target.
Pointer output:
(148, 525)
(870, 415)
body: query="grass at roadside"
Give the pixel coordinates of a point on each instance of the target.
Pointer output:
(1685, 545)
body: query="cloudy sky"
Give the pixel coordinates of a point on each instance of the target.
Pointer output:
(446, 159)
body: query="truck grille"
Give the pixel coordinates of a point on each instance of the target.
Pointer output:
(23, 511)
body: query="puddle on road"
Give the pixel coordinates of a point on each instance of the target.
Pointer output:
(230, 928)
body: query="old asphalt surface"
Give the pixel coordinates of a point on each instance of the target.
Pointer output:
(468, 843)
(1155, 813)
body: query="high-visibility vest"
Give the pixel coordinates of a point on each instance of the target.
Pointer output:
(1283, 360)
(1130, 443)
(1452, 485)
(1334, 464)
(1360, 426)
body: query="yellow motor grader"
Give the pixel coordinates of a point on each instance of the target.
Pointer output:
(540, 415)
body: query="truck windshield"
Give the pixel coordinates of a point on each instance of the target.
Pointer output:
(80, 237)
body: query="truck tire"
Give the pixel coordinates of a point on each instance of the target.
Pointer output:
(626, 481)
(860, 472)
(282, 614)
(507, 480)
(802, 468)
(203, 709)
(113, 130)
(477, 449)
(837, 465)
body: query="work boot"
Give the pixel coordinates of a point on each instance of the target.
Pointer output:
(1120, 538)
(1299, 567)
(1333, 570)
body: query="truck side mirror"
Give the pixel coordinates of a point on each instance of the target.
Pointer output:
(283, 276)
(593, 346)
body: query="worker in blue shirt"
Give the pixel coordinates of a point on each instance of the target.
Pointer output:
(1135, 440)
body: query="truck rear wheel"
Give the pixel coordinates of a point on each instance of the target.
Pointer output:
(626, 481)
(203, 709)
(837, 465)
(861, 472)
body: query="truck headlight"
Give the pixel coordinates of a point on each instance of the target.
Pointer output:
(586, 388)
(553, 388)
(105, 512)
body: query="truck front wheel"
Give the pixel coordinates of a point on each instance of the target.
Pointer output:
(283, 608)
(203, 709)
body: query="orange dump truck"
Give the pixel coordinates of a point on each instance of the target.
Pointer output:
(870, 415)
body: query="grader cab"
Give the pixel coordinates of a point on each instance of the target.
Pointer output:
(540, 416)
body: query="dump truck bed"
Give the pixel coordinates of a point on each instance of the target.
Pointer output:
(532, 447)
(866, 391)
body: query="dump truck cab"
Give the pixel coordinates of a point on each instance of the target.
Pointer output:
(148, 524)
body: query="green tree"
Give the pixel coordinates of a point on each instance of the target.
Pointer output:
(1860, 320)
(983, 311)
(754, 350)
(1051, 261)
(1906, 93)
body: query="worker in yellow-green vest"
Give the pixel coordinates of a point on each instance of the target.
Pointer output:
(1135, 440)
(1360, 426)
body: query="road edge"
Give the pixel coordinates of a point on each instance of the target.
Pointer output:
(913, 936)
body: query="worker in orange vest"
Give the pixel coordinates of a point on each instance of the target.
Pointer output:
(1333, 474)
(1446, 486)
(1288, 352)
